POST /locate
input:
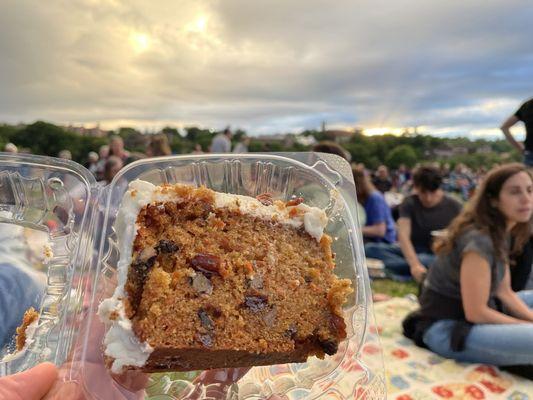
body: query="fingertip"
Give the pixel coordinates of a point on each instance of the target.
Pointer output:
(37, 381)
(48, 370)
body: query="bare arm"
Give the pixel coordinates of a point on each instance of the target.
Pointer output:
(509, 122)
(376, 230)
(508, 297)
(408, 250)
(475, 281)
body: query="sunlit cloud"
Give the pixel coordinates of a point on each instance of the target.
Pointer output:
(450, 68)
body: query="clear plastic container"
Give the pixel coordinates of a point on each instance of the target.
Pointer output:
(73, 216)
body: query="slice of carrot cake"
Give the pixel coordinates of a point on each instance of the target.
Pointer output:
(214, 280)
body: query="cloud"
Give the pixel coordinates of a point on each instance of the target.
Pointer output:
(266, 66)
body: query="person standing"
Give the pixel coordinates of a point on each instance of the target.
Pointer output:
(242, 146)
(158, 146)
(524, 114)
(222, 142)
(116, 148)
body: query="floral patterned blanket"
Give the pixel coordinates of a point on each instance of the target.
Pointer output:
(414, 373)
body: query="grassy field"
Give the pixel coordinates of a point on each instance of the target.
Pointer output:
(393, 288)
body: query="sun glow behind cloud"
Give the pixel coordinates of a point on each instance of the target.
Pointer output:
(140, 42)
(383, 131)
(200, 24)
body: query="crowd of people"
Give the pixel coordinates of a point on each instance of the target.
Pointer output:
(465, 236)
(112, 157)
(467, 239)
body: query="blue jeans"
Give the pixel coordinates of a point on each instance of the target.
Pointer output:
(496, 344)
(395, 263)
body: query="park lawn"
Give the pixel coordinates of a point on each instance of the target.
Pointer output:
(393, 288)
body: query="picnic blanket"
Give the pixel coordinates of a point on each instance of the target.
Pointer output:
(414, 373)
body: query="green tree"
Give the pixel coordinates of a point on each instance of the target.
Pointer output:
(363, 153)
(170, 131)
(238, 135)
(49, 139)
(403, 154)
(197, 135)
(133, 139)
(7, 133)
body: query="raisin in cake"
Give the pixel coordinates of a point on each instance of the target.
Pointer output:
(213, 280)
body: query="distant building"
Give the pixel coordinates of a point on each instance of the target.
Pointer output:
(338, 135)
(83, 131)
(445, 151)
(484, 149)
(287, 140)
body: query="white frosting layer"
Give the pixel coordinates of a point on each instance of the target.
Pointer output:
(313, 219)
(120, 341)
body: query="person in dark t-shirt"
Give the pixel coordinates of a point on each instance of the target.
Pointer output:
(524, 114)
(422, 215)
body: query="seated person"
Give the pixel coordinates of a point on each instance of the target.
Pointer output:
(379, 226)
(458, 316)
(427, 210)
(382, 181)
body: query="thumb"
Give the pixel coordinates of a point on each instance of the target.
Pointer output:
(31, 384)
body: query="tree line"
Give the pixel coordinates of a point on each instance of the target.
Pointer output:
(49, 139)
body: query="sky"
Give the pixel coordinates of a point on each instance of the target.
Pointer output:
(448, 67)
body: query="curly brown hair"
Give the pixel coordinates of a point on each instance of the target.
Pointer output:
(480, 213)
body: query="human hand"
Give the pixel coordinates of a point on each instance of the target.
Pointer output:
(86, 372)
(418, 271)
(76, 380)
(32, 384)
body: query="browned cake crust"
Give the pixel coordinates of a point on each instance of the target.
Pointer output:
(213, 288)
(29, 316)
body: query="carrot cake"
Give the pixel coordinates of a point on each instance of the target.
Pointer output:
(214, 280)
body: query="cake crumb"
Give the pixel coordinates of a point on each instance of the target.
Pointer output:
(30, 316)
(48, 254)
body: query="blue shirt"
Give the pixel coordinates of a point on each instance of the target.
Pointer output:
(377, 211)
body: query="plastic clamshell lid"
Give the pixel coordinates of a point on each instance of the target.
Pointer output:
(81, 272)
(53, 199)
(324, 181)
